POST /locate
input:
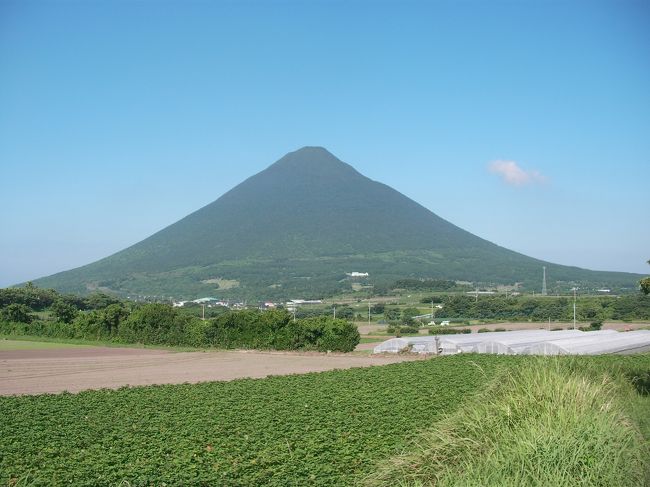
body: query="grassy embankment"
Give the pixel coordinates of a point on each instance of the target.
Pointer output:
(552, 422)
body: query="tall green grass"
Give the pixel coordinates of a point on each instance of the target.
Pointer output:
(549, 423)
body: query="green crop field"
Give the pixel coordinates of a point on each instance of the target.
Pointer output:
(330, 428)
(34, 345)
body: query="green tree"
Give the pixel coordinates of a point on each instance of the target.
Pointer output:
(64, 311)
(324, 333)
(99, 301)
(409, 321)
(431, 299)
(392, 314)
(112, 316)
(154, 323)
(410, 312)
(37, 299)
(645, 284)
(18, 313)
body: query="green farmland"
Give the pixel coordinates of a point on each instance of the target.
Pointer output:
(331, 428)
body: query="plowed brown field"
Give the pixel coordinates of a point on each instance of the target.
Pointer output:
(77, 369)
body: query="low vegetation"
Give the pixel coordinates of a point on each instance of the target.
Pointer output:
(444, 330)
(100, 317)
(333, 428)
(550, 422)
(429, 285)
(589, 308)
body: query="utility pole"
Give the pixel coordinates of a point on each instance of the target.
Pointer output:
(574, 307)
(203, 305)
(368, 313)
(544, 282)
(334, 311)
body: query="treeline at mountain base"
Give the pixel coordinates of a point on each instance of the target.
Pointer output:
(500, 308)
(43, 312)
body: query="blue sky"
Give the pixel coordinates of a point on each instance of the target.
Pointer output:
(526, 123)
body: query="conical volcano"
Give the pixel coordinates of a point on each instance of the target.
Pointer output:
(296, 229)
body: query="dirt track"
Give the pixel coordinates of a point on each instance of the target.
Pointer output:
(73, 370)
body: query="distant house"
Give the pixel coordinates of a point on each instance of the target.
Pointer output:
(210, 302)
(356, 274)
(204, 300)
(295, 302)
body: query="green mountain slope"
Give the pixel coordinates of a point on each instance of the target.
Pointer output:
(296, 228)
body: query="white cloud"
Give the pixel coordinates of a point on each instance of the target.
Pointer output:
(514, 175)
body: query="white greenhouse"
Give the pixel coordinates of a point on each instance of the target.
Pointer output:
(419, 344)
(445, 344)
(514, 344)
(524, 342)
(622, 343)
(451, 344)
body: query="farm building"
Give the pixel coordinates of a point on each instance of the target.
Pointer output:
(524, 342)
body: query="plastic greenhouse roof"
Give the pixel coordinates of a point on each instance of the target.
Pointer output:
(624, 342)
(395, 345)
(426, 343)
(541, 342)
(514, 344)
(450, 344)
(462, 342)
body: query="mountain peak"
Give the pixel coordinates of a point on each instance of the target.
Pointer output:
(313, 159)
(312, 150)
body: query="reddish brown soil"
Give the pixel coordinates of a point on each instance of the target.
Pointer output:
(74, 352)
(74, 369)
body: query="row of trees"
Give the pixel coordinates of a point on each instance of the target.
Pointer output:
(427, 285)
(629, 307)
(39, 299)
(161, 324)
